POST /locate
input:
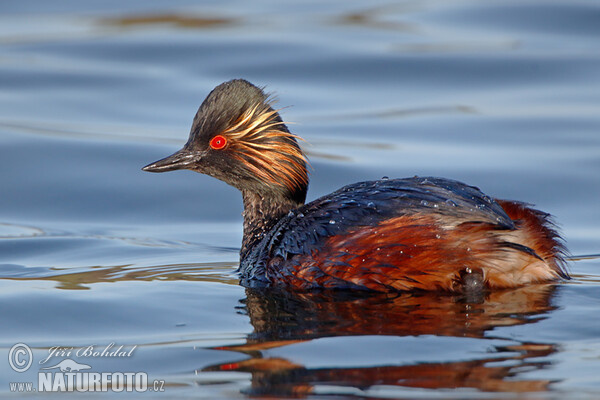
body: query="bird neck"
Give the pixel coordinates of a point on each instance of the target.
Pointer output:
(260, 214)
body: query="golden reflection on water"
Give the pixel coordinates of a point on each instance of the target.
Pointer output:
(171, 19)
(281, 319)
(80, 280)
(378, 18)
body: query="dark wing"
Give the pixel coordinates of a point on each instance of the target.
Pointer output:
(369, 203)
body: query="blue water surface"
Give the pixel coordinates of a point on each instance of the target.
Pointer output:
(504, 95)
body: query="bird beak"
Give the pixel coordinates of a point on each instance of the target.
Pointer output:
(182, 159)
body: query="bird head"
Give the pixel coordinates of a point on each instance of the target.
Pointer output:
(238, 137)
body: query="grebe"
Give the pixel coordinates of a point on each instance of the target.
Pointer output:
(419, 233)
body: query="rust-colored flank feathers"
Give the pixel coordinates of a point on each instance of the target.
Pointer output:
(384, 235)
(430, 252)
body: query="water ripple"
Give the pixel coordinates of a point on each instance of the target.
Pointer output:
(82, 278)
(14, 231)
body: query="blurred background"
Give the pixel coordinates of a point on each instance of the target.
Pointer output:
(504, 95)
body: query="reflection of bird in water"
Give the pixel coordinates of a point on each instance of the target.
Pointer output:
(287, 319)
(391, 234)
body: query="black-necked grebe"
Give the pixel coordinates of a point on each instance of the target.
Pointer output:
(390, 234)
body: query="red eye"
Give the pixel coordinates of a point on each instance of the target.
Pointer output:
(218, 142)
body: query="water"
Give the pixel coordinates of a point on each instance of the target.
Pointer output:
(93, 251)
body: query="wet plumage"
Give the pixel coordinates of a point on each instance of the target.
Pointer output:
(395, 234)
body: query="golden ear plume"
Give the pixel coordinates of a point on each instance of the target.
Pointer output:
(267, 149)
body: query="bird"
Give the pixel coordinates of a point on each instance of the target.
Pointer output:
(385, 235)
